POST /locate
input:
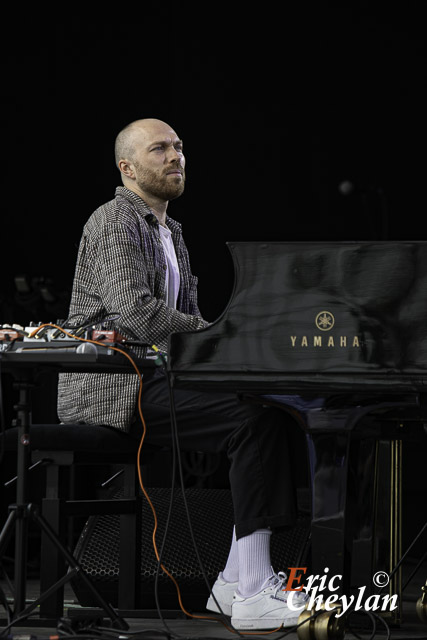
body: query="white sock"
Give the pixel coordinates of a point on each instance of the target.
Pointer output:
(254, 562)
(231, 569)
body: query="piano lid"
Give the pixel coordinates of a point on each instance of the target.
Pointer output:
(310, 315)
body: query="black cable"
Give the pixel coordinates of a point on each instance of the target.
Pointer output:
(384, 623)
(91, 322)
(175, 457)
(177, 446)
(175, 441)
(374, 619)
(132, 635)
(11, 624)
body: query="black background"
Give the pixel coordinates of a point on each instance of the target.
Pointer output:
(276, 106)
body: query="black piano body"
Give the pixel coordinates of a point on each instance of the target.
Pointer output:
(335, 333)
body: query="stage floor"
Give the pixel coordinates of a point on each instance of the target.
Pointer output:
(180, 626)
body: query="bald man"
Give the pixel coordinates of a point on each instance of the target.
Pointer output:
(150, 158)
(133, 274)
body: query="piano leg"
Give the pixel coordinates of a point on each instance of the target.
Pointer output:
(356, 513)
(330, 543)
(388, 518)
(364, 483)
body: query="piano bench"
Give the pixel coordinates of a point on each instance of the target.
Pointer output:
(63, 449)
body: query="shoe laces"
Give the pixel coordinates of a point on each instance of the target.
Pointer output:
(278, 583)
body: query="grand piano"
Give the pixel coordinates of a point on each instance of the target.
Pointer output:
(335, 333)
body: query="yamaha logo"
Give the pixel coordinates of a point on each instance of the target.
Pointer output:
(325, 321)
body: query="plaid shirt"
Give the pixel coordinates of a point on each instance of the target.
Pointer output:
(121, 270)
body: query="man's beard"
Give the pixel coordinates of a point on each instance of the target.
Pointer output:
(163, 187)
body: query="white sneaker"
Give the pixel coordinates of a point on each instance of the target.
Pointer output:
(269, 608)
(223, 592)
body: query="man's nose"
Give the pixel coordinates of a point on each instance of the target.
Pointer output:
(173, 155)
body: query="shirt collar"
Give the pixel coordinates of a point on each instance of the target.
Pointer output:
(143, 207)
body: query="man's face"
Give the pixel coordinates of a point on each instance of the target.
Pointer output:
(159, 163)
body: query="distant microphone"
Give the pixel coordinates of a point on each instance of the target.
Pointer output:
(346, 188)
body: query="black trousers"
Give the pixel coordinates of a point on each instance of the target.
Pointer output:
(254, 437)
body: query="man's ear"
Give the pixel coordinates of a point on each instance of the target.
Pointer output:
(127, 169)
